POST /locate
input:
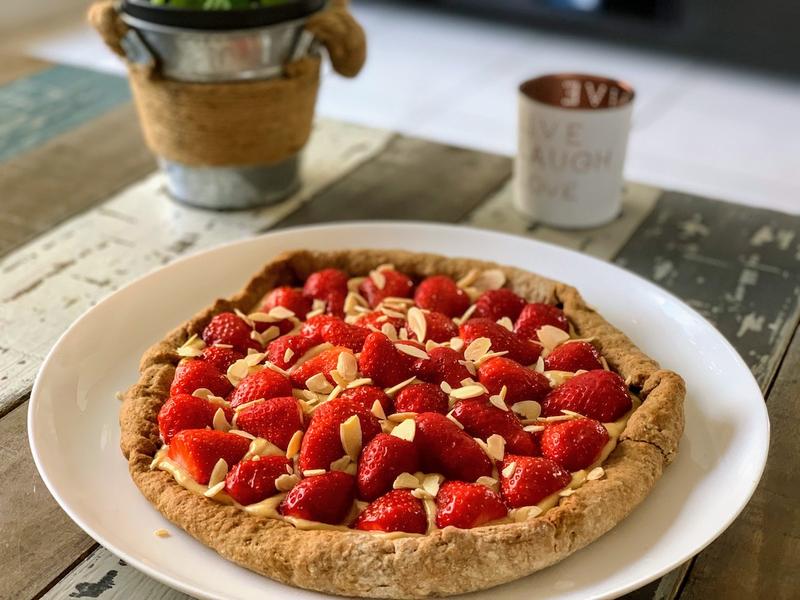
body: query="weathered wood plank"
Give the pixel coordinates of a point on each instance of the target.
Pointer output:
(102, 575)
(411, 179)
(83, 166)
(39, 540)
(603, 242)
(14, 66)
(41, 106)
(758, 556)
(736, 265)
(47, 284)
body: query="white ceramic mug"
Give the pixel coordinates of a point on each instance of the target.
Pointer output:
(573, 132)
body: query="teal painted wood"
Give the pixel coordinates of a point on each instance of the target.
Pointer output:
(46, 104)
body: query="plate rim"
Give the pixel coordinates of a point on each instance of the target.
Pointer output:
(411, 225)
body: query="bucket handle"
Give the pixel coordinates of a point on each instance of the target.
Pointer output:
(334, 27)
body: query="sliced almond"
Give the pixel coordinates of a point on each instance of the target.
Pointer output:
(246, 405)
(595, 474)
(401, 416)
(396, 388)
(354, 283)
(466, 316)
(286, 482)
(468, 279)
(557, 378)
(539, 367)
(420, 494)
(192, 347)
(487, 481)
(313, 472)
(214, 489)
(506, 322)
(567, 492)
(220, 422)
(350, 436)
(496, 445)
(391, 312)
(319, 383)
(525, 513)
(534, 428)
(490, 279)
(265, 337)
(550, 337)
(341, 464)
(469, 366)
(454, 420)
(604, 362)
(527, 409)
(287, 356)
(218, 473)
(262, 447)
(445, 387)
(405, 430)
(378, 278)
(498, 402)
(477, 348)
(412, 351)
(456, 344)
(389, 331)
(405, 481)
(508, 470)
(347, 366)
(417, 323)
(489, 356)
(243, 434)
(162, 533)
(359, 382)
(431, 483)
(468, 391)
(280, 313)
(294, 444)
(377, 410)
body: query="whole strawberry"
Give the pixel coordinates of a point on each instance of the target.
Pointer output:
(366, 395)
(184, 411)
(323, 498)
(394, 284)
(444, 448)
(521, 383)
(535, 316)
(443, 364)
(382, 362)
(321, 283)
(289, 298)
(439, 327)
(221, 357)
(228, 329)
(439, 293)
(330, 286)
(261, 384)
(381, 461)
(421, 397)
(496, 304)
(312, 328)
(286, 350)
(600, 395)
(574, 444)
(376, 319)
(396, 511)
(322, 442)
(482, 419)
(335, 331)
(191, 375)
(467, 505)
(275, 419)
(197, 451)
(573, 356)
(324, 363)
(518, 348)
(530, 480)
(252, 481)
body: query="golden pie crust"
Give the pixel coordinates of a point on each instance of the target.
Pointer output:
(444, 562)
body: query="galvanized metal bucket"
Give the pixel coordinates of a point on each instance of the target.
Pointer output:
(198, 55)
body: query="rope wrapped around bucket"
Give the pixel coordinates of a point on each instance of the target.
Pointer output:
(237, 123)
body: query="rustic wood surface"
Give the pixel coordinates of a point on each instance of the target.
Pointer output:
(738, 266)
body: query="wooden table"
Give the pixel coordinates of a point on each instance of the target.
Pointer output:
(82, 212)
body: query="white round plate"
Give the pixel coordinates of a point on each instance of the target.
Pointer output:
(74, 433)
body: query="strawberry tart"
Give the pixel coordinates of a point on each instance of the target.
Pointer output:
(400, 425)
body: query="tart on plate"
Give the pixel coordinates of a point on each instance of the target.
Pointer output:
(393, 424)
